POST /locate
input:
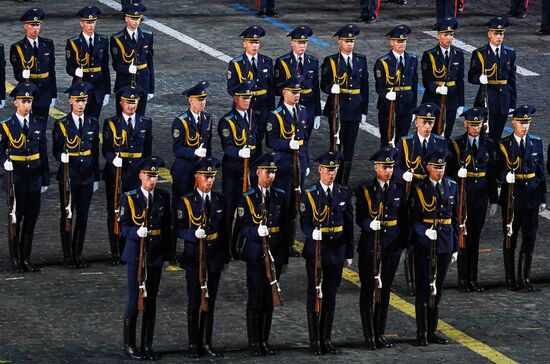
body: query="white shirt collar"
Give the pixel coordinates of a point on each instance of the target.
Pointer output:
(75, 118)
(204, 194)
(87, 37)
(297, 56)
(397, 55)
(31, 41)
(471, 140)
(518, 139)
(494, 48)
(196, 116)
(22, 118)
(421, 138)
(381, 183)
(290, 108)
(346, 57)
(435, 182)
(130, 32)
(146, 193)
(263, 190)
(325, 187)
(242, 113)
(125, 117)
(445, 49)
(250, 58)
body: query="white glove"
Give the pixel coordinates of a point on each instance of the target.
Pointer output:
(335, 89)
(200, 233)
(2, 103)
(294, 144)
(106, 99)
(117, 162)
(462, 172)
(52, 104)
(317, 234)
(375, 225)
(510, 111)
(142, 231)
(483, 79)
(493, 209)
(26, 73)
(391, 95)
(442, 90)
(510, 178)
(200, 151)
(307, 171)
(454, 257)
(244, 152)
(8, 165)
(363, 119)
(150, 96)
(459, 111)
(263, 230)
(96, 186)
(431, 234)
(408, 176)
(349, 262)
(79, 72)
(316, 122)
(43, 189)
(542, 207)
(132, 69)
(64, 157)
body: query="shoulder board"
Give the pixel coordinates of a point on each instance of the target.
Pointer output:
(343, 187)
(301, 107)
(385, 57)
(1, 45)
(508, 48)
(397, 182)
(131, 193)
(183, 116)
(76, 37)
(456, 49)
(264, 57)
(311, 188)
(190, 194)
(3, 121)
(278, 110)
(238, 59)
(313, 58)
(507, 137)
(146, 31)
(119, 34)
(146, 118)
(451, 181)
(286, 56)
(248, 192)
(279, 190)
(228, 116)
(437, 136)
(46, 40)
(410, 136)
(534, 136)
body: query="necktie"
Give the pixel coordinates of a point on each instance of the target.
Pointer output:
(498, 54)
(80, 127)
(474, 148)
(439, 190)
(522, 147)
(266, 200)
(207, 204)
(294, 114)
(246, 117)
(130, 126)
(254, 66)
(348, 63)
(447, 58)
(300, 66)
(134, 37)
(91, 45)
(150, 199)
(401, 65)
(424, 147)
(385, 191)
(25, 126)
(35, 47)
(329, 195)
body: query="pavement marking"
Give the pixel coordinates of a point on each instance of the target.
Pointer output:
(92, 273)
(13, 278)
(470, 49)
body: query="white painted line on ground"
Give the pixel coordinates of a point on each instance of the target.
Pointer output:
(91, 273)
(14, 278)
(470, 49)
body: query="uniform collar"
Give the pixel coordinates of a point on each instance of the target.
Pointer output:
(125, 117)
(130, 32)
(31, 41)
(421, 138)
(397, 55)
(87, 37)
(22, 118)
(324, 187)
(494, 48)
(471, 140)
(146, 193)
(297, 56)
(204, 194)
(518, 139)
(291, 108)
(75, 118)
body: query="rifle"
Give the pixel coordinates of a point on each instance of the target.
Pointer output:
(142, 261)
(510, 207)
(246, 174)
(118, 183)
(462, 213)
(269, 262)
(295, 198)
(318, 272)
(67, 198)
(391, 117)
(377, 258)
(335, 123)
(11, 204)
(433, 262)
(203, 275)
(442, 118)
(485, 93)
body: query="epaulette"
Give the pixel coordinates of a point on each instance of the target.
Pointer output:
(277, 110)
(46, 40)
(119, 34)
(1, 45)
(75, 38)
(385, 57)
(183, 116)
(507, 137)
(343, 187)
(508, 48)
(413, 56)
(131, 193)
(143, 117)
(451, 181)
(248, 192)
(3, 121)
(146, 31)
(456, 49)
(228, 116)
(279, 190)
(190, 194)
(238, 59)
(311, 188)
(267, 58)
(309, 56)
(286, 56)
(101, 36)
(410, 136)
(437, 136)
(535, 137)
(301, 107)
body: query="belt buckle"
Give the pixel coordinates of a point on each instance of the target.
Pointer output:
(27, 158)
(330, 229)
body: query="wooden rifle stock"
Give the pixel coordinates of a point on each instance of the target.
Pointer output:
(391, 127)
(246, 161)
(509, 215)
(442, 118)
(269, 262)
(11, 202)
(142, 262)
(296, 183)
(377, 258)
(335, 123)
(462, 215)
(67, 197)
(203, 275)
(116, 199)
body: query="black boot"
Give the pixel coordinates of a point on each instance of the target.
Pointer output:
(193, 336)
(409, 273)
(14, 253)
(265, 320)
(206, 333)
(115, 252)
(475, 286)
(433, 319)
(368, 328)
(314, 333)
(293, 253)
(380, 318)
(27, 249)
(130, 339)
(326, 332)
(509, 270)
(78, 246)
(66, 246)
(525, 265)
(343, 174)
(147, 333)
(421, 325)
(462, 270)
(252, 329)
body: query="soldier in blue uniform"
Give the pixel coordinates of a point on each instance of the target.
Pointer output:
(262, 213)
(443, 73)
(127, 139)
(434, 214)
(518, 8)
(410, 164)
(238, 135)
(23, 151)
(445, 9)
(369, 10)
(345, 75)
(87, 57)
(493, 67)
(326, 216)
(473, 158)
(381, 208)
(267, 8)
(33, 60)
(2, 77)
(201, 215)
(520, 162)
(76, 143)
(132, 53)
(396, 80)
(155, 230)
(254, 66)
(300, 63)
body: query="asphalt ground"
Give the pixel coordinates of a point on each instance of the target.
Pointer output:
(61, 315)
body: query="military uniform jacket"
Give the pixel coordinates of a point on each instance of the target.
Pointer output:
(410, 155)
(354, 87)
(95, 66)
(240, 69)
(192, 215)
(131, 219)
(280, 129)
(83, 149)
(334, 219)
(29, 153)
(251, 215)
(124, 51)
(393, 217)
(405, 85)
(234, 133)
(131, 148)
(286, 67)
(41, 66)
(481, 182)
(187, 135)
(530, 186)
(436, 73)
(502, 77)
(2, 73)
(425, 206)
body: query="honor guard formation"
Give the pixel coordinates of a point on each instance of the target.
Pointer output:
(425, 205)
